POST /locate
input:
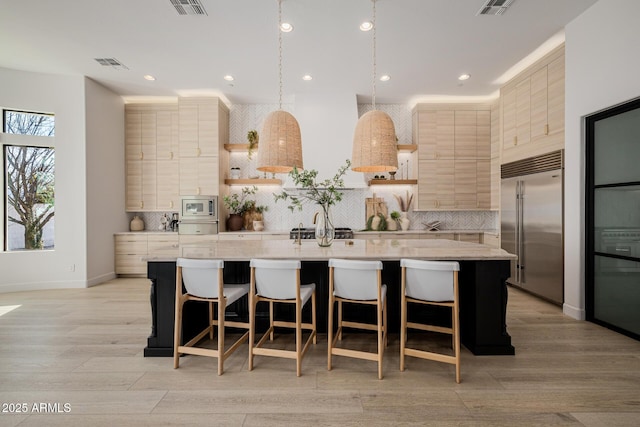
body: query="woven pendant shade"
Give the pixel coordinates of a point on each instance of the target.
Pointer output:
(280, 148)
(374, 144)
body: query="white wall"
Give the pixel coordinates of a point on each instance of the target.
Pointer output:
(601, 70)
(64, 96)
(105, 179)
(90, 178)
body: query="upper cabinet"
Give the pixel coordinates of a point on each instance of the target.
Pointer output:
(204, 129)
(172, 149)
(151, 170)
(454, 156)
(533, 109)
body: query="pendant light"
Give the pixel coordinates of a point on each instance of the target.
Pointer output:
(280, 148)
(374, 141)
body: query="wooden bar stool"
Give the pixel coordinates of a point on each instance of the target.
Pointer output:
(278, 281)
(202, 279)
(358, 282)
(432, 283)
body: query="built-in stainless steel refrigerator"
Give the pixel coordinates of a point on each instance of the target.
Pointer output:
(532, 224)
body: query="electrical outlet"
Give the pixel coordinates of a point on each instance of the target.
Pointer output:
(71, 267)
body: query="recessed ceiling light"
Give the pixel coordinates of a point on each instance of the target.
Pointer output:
(366, 26)
(464, 76)
(307, 77)
(228, 78)
(149, 77)
(285, 27)
(385, 78)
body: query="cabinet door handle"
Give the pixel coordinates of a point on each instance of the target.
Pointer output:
(141, 204)
(198, 191)
(198, 152)
(546, 129)
(141, 155)
(171, 204)
(515, 140)
(170, 155)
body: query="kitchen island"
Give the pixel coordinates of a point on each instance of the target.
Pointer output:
(483, 273)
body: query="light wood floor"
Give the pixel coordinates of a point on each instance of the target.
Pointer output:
(83, 347)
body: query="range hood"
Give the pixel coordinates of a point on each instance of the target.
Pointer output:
(327, 123)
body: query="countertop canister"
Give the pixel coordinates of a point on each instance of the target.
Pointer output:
(137, 224)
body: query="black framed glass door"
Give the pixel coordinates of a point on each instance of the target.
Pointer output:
(613, 218)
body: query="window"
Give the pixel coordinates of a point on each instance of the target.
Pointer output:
(25, 123)
(29, 182)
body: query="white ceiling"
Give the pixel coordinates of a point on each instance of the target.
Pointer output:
(422, 44)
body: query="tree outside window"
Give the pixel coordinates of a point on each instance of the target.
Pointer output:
(30, 184)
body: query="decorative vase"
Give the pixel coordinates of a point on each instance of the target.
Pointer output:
(235, 173)
(136, 224)
(258, 225)
(392, 225)
(404, 221)
(234, 222)
(325, 231)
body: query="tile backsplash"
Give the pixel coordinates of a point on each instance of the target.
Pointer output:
(350, 212)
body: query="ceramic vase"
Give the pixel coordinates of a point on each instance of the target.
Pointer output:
(404, 221)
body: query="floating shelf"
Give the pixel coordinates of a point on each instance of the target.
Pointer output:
(407, 147)
(393, 181)
(257, 181)
(239, 147)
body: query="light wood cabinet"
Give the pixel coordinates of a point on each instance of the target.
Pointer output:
(533, 109)
(130, 249)
(199, 175)
(436, 184)
(204, 129)
(491, 239)
(454, 152)
(167, 163)
(150, 141)
(166, 243)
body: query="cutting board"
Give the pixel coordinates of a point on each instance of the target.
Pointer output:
(375, 205)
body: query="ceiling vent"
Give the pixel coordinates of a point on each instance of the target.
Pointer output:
(111, 62)
(494, 7)
(189, 7)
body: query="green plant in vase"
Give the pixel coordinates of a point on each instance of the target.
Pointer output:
(324, 193)
(237, 204)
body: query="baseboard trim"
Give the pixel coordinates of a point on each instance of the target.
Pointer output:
(38, 286)
(574, 312)
(101, 279)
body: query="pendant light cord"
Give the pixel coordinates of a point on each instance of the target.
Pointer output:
(280, 50)
(373, 83)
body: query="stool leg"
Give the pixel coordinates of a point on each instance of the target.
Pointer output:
(211, 334)
(252, 329)
(330, 331)
(221, 309)
(339, 320)
(271, 320)
(380, 338)
(298, 337)
(177, 330)
(313, 317)
(403, 320)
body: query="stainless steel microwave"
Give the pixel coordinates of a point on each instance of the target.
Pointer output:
(199, 208)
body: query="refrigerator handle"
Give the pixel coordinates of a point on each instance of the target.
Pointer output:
(516, 273)
(520, 221)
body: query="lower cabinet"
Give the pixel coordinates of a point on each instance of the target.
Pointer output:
(130, 251)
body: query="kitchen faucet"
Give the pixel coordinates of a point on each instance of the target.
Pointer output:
(299, 238)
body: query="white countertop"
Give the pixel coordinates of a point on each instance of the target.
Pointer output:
(278, 232)
(382, 249)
